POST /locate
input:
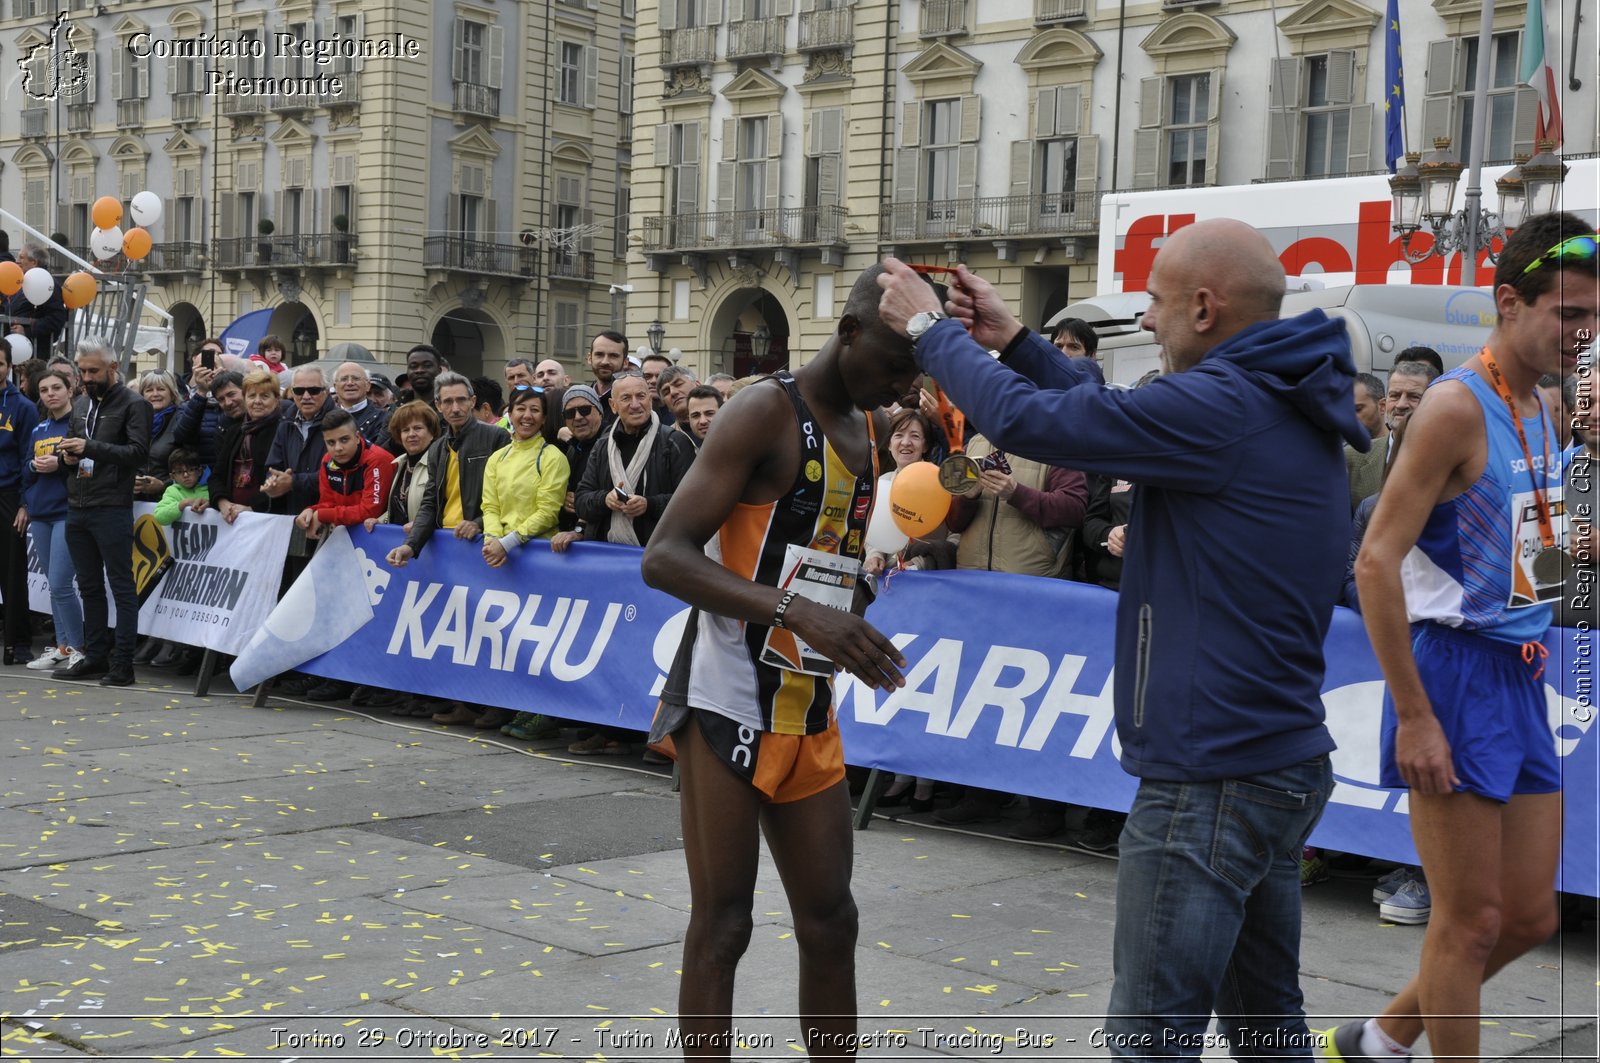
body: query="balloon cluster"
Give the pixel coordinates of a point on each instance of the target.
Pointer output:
(108, 239)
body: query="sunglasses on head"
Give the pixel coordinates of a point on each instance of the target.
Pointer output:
(535, 388)
(572, 413)
(1575, 249)
(308, 391)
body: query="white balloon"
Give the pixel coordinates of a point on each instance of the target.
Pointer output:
(21, 347)
(37, 284)
(883, 534)
(106, 243)
(146, 208)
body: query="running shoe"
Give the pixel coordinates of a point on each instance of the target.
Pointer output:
(1411, 904)
(1343, 1042)
(49, 660)
(1313, 866)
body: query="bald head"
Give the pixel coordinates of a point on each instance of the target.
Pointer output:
(1210, 280)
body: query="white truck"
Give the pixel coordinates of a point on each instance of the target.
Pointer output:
(1335, 243)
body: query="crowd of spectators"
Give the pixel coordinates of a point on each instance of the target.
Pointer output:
(540, 458)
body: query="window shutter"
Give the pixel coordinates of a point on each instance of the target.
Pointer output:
(227, 215)
(1150, 103)
(93, 77)
(713, 12)
(1044, 114)
(119, 60)
(1283, 86)
(591, 75)
(782, 8)
(828, 172)
(1022, 167)
(689, 170)
(1283, 126)
(911, 125)
(458, 60)
(1088, 176)
(359, 33)
(774, 189)
(1214, 127)
(735, 11)
(1068, 107)
(351, 217)
(668, 15)
(1360, 158)
(692, 133)
(586, 219)
(141, 85)
(1525, 122)
(774, 137)
(452, 214)
(489, 231)
(967, 172)
(323, 220)
(174, 82)
(1443, 58)
(726, 196)
(1146, 157)
(63, 217)
(907, 177)
(496, 46)
(971, 114)
(663, 146)
(730, 139)
(832, 122)
(1341, 75)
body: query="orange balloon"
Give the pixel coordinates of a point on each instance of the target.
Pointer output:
(136, 244)
(78, 290)
(916, 501)
(10, 278)
(107, 211)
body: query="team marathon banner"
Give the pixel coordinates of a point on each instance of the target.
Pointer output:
(201, 581)
(1009, 677)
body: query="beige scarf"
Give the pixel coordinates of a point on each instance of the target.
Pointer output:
(631, 478)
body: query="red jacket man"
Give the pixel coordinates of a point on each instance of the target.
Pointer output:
(355, 476)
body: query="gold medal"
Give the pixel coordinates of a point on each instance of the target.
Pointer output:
(959, 474)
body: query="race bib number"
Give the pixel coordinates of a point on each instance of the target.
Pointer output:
(1532, 580)
(826, 579)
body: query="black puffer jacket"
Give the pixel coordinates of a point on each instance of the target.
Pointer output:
(663, 471)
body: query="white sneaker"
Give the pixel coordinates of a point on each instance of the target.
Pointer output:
(73, 657)
(50, 658)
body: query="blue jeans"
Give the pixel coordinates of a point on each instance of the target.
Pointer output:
(50, 543)
(100, 540)
(1208, 915)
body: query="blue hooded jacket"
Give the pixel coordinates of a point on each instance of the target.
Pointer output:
(1238, 532)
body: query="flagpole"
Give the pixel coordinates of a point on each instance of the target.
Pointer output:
(1480, 121)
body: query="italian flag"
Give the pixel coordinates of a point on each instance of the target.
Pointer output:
(1540, 76)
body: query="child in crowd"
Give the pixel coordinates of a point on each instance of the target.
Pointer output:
(355, 477)
(185, 491)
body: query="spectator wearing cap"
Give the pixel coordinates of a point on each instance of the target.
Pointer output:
(581, 423)
(382, 392)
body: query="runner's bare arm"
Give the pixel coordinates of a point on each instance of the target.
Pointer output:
(748, 459)
(1441, 441)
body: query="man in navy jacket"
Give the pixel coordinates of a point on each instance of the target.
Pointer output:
(1219, 642)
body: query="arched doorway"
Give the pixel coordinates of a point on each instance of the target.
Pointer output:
(751, 335)
(188, 332)
(297, 327)
(467, 338)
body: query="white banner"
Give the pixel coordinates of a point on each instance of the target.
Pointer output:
(221, 584)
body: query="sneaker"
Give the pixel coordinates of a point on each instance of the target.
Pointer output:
(1343, 1042)
(1313, 866)
(1388, 884)
(1411, 905)
(532, 727)
(599, 744)
(49, 659)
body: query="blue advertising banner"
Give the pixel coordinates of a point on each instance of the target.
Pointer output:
(1009, 677)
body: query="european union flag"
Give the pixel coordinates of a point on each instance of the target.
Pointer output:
(1394, 97)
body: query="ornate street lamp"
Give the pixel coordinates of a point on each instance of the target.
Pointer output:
(1439, 172)
(1406, 188)
(1513, 197)
(1542, 176)
(656, 334)
(760, 344)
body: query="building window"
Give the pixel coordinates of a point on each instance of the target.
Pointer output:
(1502, 96)
(1327, 128)
(248, 65)
(564, 328)
(941, 149)
(1058, 173)
(470, 50)
(619, 236)
(571, 78)
(247, 214)
(184, 229)
(750, 190)
(1188, 99)
(684, 180)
